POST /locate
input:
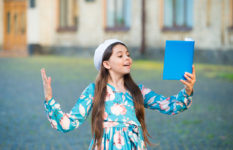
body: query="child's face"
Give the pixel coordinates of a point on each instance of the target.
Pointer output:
(120, 61)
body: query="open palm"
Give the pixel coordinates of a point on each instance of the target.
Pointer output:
(46, 85)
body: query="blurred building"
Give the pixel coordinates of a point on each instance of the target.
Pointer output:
(30, 25)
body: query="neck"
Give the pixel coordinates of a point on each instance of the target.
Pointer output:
(116, 80)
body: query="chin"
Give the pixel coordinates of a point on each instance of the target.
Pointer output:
(128, 72)
(124, 72)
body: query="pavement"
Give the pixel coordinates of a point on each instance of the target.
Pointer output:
(206, 125)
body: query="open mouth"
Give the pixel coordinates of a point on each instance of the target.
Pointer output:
(126, 65)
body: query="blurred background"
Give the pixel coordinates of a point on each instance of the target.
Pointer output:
(62, 35)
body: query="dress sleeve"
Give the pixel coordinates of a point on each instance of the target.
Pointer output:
(168, 105)
(65, 122)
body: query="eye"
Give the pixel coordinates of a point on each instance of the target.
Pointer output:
(120, 56)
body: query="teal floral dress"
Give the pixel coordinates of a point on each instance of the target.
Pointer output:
(122, 130)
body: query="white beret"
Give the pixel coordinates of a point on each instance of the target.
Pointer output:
(98, 56)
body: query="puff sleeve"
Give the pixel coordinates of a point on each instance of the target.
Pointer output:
(167, 105)
(65, 122)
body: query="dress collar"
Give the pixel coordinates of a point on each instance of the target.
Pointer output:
(114, 89)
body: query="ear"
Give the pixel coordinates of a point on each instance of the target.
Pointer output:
(106, 65)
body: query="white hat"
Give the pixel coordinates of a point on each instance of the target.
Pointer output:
(98, 56)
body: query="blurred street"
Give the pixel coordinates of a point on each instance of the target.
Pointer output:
(207, 124)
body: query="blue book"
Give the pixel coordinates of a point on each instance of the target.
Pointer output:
(178, 59)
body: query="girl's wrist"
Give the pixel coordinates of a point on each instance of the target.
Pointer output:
(189, 91)
(48, 98)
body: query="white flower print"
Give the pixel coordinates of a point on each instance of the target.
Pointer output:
(133, 136)
(123, 97)
(82, 110)
(57, 106)
(110, 94)
(106, 145)
(132, 122)
(77, 124)
(89, 101)
(82, 96)
(145, 90)
(105, 116)
(53, 123)
(164, 105)
(65, 122)
(88, 108)
(186, 101)
(50, 113)
(108, 124)
(125, 129)
(52, 102)
(118, 109)
(118, 140)
(151, 100)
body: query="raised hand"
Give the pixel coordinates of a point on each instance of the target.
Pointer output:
(46, 85)
(189, 83)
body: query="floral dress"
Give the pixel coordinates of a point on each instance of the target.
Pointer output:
(122, 130)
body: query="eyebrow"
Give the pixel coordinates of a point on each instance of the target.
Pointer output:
(122, 51)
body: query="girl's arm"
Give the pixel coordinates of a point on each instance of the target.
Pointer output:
(174, 104)
(168, 105)
(65, 122)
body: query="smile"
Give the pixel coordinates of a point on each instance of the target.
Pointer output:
(128, 66)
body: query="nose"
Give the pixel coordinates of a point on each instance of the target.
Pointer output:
(127, 57)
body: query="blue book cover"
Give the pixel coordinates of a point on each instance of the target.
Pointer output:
(178, 59)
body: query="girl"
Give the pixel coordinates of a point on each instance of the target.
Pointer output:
(117, 102)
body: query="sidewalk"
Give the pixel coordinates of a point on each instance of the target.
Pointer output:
(207, 124)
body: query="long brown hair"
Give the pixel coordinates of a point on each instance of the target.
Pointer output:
(99, 100)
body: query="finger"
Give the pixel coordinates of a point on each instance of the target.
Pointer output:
(189, 75)
(186, 84)
(194, 72)
(42, 74)
(44, 78)
(45, 74)
(188, 78)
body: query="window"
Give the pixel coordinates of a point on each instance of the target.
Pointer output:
(178, 15)
(118, 14)
(32, 3)
(68, 15)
